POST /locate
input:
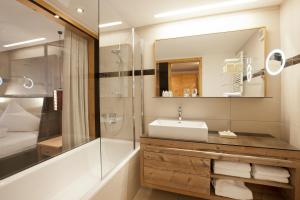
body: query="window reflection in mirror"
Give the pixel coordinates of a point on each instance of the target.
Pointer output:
(232, 64)
(181, 76)
(43, 88)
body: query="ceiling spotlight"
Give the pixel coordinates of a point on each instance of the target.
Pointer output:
(56, 16)
(80, 10)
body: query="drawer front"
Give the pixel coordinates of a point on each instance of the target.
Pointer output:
(177, 182)
(177, 163)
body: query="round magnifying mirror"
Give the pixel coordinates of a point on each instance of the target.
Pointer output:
(275, 62)
(28, 83)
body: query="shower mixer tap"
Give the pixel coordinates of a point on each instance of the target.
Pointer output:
(179, 113)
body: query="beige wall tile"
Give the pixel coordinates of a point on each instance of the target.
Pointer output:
(265, 127)
(290, 83)
(255, 109)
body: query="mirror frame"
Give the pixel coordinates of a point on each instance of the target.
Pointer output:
(263, 73)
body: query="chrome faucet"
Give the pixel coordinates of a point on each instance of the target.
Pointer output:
(179, 113)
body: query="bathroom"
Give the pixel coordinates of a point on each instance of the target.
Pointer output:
(173, 93)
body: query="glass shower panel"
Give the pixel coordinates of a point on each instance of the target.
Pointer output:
(116, 98)
(138, 97)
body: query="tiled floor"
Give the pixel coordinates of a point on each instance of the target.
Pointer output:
(148, 194)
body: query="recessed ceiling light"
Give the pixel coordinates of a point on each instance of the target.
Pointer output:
(56, 16)
(204, 8)
(80, 10)
(110, 24)
(24, 42)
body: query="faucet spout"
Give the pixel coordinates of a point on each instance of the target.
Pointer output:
(180, 113)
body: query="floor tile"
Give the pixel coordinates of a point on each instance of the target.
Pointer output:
(150, 194)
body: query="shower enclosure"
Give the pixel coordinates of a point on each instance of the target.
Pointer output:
(120, 79)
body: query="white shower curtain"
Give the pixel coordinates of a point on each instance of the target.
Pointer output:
(75, 128)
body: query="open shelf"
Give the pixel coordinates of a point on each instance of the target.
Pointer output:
(198, 97)
(254, 181)
(259, 193)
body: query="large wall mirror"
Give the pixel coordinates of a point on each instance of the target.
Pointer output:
(228, 64)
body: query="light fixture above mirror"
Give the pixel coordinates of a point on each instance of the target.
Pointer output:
(24, 42)
(110, 24)
(221, 5)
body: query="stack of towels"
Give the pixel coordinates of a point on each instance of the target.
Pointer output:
(232, 189)
(269, 173)
(232, 169)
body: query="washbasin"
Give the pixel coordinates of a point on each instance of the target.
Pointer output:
(181, 130)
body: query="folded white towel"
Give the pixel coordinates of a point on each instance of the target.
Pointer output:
(3, 132)
(263, 170)
(232, 165)
(271, 178)
(237, 173)
(232, 189)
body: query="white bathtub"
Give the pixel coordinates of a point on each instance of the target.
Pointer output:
(77, 174)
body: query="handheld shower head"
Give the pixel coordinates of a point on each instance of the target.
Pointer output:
(116, 51)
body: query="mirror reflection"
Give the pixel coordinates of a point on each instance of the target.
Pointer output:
(43, 109)
(229, 64)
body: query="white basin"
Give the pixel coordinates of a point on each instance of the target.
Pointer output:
(181, 130)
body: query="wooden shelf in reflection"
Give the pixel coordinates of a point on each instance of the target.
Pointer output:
(213, 97)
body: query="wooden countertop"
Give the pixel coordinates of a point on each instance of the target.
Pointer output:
(248, 140)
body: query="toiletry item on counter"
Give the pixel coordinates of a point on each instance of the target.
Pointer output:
(194, 92)
(232, 168)
(227, 134)
(232, 94)
(186, 92)
(232, 189)
(270, 173)
(167, 94)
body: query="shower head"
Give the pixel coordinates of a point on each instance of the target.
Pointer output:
(116, 51)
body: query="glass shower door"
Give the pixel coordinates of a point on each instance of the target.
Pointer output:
(118, 105)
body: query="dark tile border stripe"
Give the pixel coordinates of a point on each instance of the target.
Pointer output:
(146, 72)
(292, 61)
(259, 73)
(126, 73)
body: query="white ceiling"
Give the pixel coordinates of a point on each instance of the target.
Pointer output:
(88, 18)
(137, 13)
(19, 23)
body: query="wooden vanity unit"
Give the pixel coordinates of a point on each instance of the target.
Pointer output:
(185, 167)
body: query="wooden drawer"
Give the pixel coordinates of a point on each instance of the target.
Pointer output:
(177, 163)
(177, 182)
(176, 173)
